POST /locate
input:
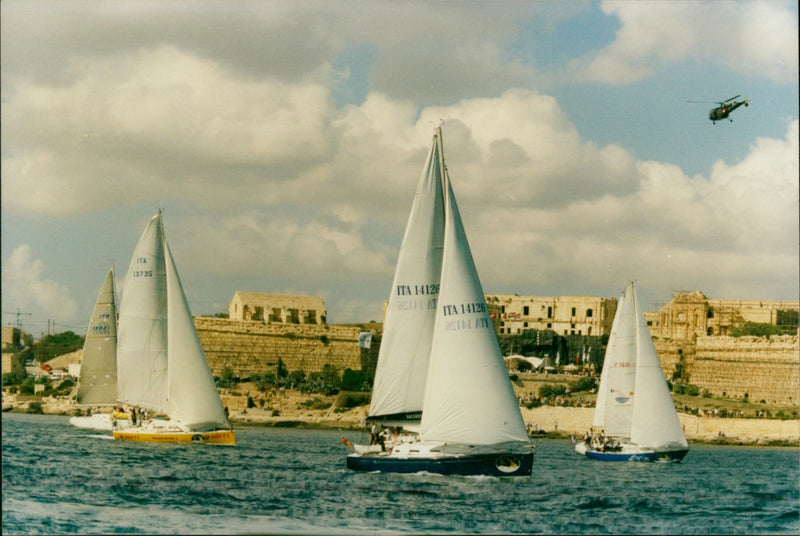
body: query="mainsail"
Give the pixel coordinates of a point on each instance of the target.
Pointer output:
(617, 381)
(402, 367)
(98, 379)
(142, 345)
(469, 399)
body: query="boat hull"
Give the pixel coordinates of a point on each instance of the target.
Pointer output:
(216, 437)
(634, 455)
(99, 421)
(497, 464)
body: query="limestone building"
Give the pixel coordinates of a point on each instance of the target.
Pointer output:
(15, 338)
(691, 314)
(565, 315)
(277, 308)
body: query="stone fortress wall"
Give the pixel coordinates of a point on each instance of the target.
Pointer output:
(762, 368)
(249, 347)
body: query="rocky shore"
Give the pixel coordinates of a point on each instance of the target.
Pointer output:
(292, 409)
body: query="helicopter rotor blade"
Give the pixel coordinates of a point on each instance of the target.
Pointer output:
(704, 101)
(730, 99)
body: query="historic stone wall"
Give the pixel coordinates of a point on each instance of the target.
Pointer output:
(254, 347)
(763, 368)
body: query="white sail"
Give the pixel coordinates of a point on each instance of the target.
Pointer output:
(97, 384)
(655, 421)
(468, 398)
(193, 396)
(402, 367)
(142, 340)
(617, 383)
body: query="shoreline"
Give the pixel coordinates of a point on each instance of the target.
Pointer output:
(551, 422)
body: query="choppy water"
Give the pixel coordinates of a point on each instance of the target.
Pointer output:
(58, 479)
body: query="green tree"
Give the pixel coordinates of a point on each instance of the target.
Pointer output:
(227, 379)
(282, 371)
(757, 329)
(55, 345)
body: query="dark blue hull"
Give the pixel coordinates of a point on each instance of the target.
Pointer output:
(652, 456)
(472, 465)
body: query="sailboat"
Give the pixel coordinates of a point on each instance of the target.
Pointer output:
(470, 422)
(97, 384)
(162, 366)
(634, 412)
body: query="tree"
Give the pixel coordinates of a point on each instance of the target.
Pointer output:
(282, 371)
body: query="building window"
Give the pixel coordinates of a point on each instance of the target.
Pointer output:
(525, 310)
(573, 311)
(549, 313)
(549, 325)
(525, 324)
(589, 313)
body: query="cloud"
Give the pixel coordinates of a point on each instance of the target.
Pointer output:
(159, 123)
(26, 286)
(752, 38)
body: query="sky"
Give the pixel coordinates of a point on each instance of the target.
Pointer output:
(284, 141)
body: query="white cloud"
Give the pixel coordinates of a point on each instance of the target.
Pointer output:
(754, 38)
(26, 286)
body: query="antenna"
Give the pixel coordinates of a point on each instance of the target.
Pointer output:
(19, 315)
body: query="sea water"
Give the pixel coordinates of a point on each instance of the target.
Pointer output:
(58, 479)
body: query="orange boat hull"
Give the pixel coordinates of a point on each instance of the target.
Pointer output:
(217, 437)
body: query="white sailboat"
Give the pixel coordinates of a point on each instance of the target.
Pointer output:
(634, 407)
(162, 366)
(97, 384)
(471, 423)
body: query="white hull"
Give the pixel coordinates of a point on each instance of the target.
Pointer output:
(99, 421)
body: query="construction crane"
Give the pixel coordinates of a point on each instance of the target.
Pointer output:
(19, 316)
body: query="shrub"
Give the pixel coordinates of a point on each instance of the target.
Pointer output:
(9, 378)
(549, 390)
(586, 383)
(349, 400)
(352, 380)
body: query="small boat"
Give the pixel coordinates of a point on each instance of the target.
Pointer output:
(162, 367)
(635, 416)
(471, 422)
(97, 384)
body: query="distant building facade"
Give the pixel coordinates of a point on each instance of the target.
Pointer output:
(277, 308)
(14, 338)
(565, 315)
(691, 314)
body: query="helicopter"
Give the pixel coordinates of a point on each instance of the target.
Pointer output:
(724, 109)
